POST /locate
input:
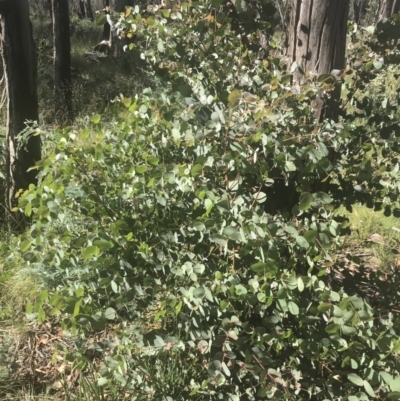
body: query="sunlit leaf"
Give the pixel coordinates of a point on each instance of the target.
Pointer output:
(354, 378)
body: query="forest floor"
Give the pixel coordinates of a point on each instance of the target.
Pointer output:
(97, 81)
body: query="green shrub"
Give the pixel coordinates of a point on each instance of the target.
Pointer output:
(213, 203)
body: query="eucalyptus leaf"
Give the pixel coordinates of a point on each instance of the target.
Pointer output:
(305, 201)
(369, 390)
(354, 378)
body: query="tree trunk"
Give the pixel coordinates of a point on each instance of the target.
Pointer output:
(18, 53)
(88, 9)
(82, 12)
(358, 9)
(388, 8)
(62, 61)
(317, 43)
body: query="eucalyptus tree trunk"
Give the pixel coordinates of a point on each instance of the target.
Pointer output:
(316, 45)
(88, 8)
(18, 53)
(62, 61)
(358, 9)
(82, 11)
(388, 8)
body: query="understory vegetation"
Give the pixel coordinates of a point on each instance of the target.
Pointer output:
(196, 234)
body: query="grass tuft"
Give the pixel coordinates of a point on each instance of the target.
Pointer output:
(374, 236)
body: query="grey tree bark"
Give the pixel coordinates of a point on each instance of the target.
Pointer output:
(358, 9)
(88, 9)
(316, 44)
(389, 8)
(18, 53)
(62, 61)
(82, 11)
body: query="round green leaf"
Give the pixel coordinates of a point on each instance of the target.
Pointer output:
(153, 160)
(96, 118)
(101, 19)
(260, 197)
(310, 236)
(225, 369)
(223, 305)
(199, 226)
(358, 303)
(343, 303)
(395, 384)
(231, 232)
(332, 328)
(218, 239)
(102, 381)
(348, 330)
(355, 379)
(384, 344)
(25, 245)
(110, 314)
(234, 97)
(114, 287)
(386, 377)
(199, 292)
(28, 209)
(324, 307)
(196, 170)
(323, 197)
(293, 308)
(302, 242)
(141, 169)
(337, 312)
(160, 46)
(369, 389)
(259, 267)
(261, 297)
(165, 13)
(291, 282)
(103, 245)
(305, 201)
(240, 289)
(90, 252)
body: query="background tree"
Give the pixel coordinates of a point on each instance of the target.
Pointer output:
(89, 10)
(317, 43)
(86, 10)
(358, 9)
(20, 70)
(62, 60)
(82, 12)
(388, 8)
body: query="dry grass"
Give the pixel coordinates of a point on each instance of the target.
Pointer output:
(374, 239)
